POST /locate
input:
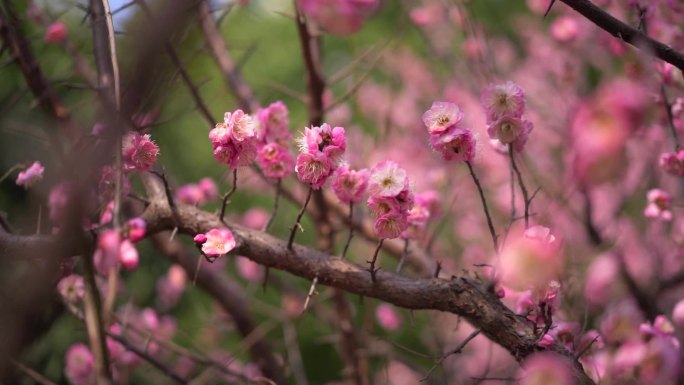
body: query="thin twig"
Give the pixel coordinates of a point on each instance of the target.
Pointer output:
(490, 224)
(275, 205)
(521, 183)
(168, 372)
(351, 229)
(35, 376)
(297, 224)
(312, 289)
(457, 350)
(224, 201)
(670, 118)
(403, 256)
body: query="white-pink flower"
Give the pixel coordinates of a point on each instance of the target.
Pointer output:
(218, 242)
(441, 116)
(659, 203)
(499, 100)
(387, 179)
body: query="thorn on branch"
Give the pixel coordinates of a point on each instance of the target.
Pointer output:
(438, 269)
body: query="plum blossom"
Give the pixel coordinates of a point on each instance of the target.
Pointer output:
(274, 121)
(678, 314)
(499, 100)
(673, 162)
(275, 161)
(511, 130)
(387, 179)
(218, 242)
(546, 368)
(71, 288)
(170, 287)
(249, 270)
(350, 185)
(528, 262)
(314, 168)
(56, 33)
(135, 229)
(198, 193)
(320, 151)
(128, 255)
(139, 151)
(113, 249)
(659, 203)
(78, 365)
(387, 317)
(338, 17)
(391, 224)
(30, 176)
(457, 144)
(441, 116)
(235, 140)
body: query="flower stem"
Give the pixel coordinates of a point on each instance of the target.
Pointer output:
(297, 225)
(521, 183)
(372, 268)
(351, 230)
(490, 224)
(224, 202)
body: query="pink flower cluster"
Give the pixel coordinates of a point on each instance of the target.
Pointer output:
(425, 206)
(275, 160)
(320, 151)
(350, 185)
(447, 136)
(274, 122)
(113, 249)
(30, 176)
(139, 151)
(659, 203)
(339, 17)
(390, 199)
(216, 242)
(235, 140)
(197, 193)
(504, 105)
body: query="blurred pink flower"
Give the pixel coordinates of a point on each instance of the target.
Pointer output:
(71, 288)
(139, 151)
(529, 263)
(275, 161)
(274, 121)
(249, 270)
(338, 17)
(128, 255)
(30, 176)
(350, 185)
(136, 229)
(546, 368)
(673, 162)
(170, 287)
(387, 317)
(503, 100)
(564, 29)
(56, 33)
(78, 365)
(658, 207)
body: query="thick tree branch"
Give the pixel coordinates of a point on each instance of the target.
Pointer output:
(625, 32)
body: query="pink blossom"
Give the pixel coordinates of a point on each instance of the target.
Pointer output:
(314, 168)
(255, 218)
(197, 193)
(329, 140)
(30, 176)
(209, 189)
(218, 242)
(659, 203)
(234, 141)
(139, 151)
(239, 125)
(338, 17)
(236, 154)
(108, 250)
(529, 263)
(678, 313)
(510, 130)
(350, 185)
(274, 121)
(540, 233)
(56, 33)
(457, 144)
(602, 275)
(275, 161)
(380, 205)
(136, 228)
(673, 162)
(171, 286)
(128, 255)
(427, 15)
(391, 225)
(387, 179)
(441, 116)
(106, 186)
(546, 369)
(78, 365)
(564, 29)
(71, 288)
(500, 100)
(387, 317)
(249, 269)
(200, 239)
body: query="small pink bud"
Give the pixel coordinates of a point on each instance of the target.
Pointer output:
(136, 229)
(128, 255)
(56, 33)
(387, 317)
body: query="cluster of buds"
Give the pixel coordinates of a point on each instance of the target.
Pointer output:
(115, 247)
(235, 140)
(390, 199)
(320, 151)
(444, 122)
(504, 106)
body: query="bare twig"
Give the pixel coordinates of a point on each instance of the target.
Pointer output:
(490, 225)
(297, 224)
(446, 355)
(226, 196)
(521, 183)
(351, 229)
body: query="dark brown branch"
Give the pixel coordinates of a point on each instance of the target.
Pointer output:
(625, 32)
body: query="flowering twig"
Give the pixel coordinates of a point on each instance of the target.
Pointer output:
(224, 201)
(297, 224)
(490, 224)
(527, 200)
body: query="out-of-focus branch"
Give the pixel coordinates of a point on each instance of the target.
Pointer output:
(463, 296)
(625, 32)
(231, 74)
